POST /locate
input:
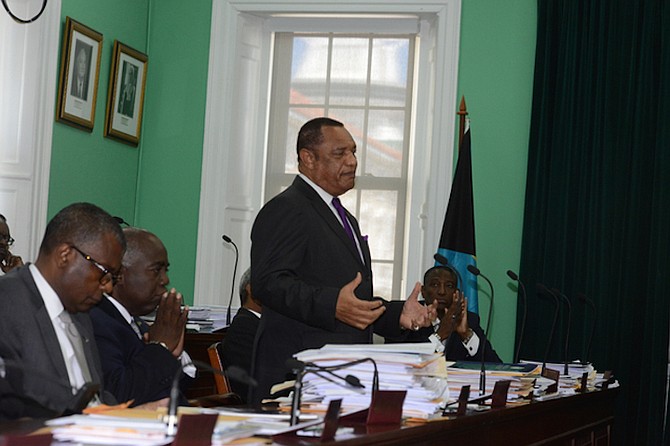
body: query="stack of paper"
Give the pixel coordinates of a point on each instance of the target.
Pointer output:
(522, 377)
(411, 367)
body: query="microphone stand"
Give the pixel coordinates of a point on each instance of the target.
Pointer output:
(232, 286)
(302, 368)
(543, 290)
(482, 373)
(567, 331)
(512, 275)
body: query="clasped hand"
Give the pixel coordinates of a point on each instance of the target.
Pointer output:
(170, 323)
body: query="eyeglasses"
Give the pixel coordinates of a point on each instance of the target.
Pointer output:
(107, 275)
(7, 239)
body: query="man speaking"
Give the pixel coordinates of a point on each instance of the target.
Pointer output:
(311, 268)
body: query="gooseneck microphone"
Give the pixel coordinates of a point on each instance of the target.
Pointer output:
(232, 286)
(512, 275)
(567, 330)
(439, 258)
(301, 368)
(543, 290)
(585, 300)
(233, 372)
(482, 373)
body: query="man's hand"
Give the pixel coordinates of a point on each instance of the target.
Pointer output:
(170, 322)
(10, 262)
(414, 315)
(356, 312)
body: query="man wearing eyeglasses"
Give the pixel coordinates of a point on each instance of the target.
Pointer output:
(46, 335)
(8, 261)
(140, 362)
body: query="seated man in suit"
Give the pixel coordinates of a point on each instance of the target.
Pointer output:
(45, 331)
(238, 345)
(140, 362)
(458, 331)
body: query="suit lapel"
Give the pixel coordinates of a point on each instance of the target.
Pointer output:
(45, 326)
(333, 223)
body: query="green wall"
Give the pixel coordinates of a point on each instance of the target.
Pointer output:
(87, 166)
(157, 185)
(168, 199)
(497, 59)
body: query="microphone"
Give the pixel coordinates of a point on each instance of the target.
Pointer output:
(301, 368)
(543, 290)
(232, 286)
(512, 275)
(234, 372)
(585, 300)
(439, 258)
(567, 331)
(482, 374)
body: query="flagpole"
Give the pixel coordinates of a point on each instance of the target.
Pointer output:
(463, 115)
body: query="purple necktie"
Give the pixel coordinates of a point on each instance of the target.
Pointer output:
(343, 216)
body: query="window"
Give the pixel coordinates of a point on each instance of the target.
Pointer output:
(245, 116)
(364, 81)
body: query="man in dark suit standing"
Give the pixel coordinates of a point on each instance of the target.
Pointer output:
(238, 345)
(46, 337)
(140, 362)
(310, 266)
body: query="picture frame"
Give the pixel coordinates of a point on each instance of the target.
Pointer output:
(125, 97)
(79, 73)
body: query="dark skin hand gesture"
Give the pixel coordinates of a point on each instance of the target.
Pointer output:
(356, 312)
(440, 288)
(10, 262)
(361, 313)
(170, 323)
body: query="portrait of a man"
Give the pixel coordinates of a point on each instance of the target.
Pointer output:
(82, 68)
(126, 105)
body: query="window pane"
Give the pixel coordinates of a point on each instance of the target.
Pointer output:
(308, 70)
(349, 71)
(382, 275)
(378, 220)
(388, 78)
(384, 154)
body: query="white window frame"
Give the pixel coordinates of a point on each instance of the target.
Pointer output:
(237, 118)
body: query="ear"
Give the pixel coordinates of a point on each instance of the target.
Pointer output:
(307, 158)
(62, 254)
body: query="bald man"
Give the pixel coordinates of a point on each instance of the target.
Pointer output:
(140, 362)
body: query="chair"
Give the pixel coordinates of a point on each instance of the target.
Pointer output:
(220, 378)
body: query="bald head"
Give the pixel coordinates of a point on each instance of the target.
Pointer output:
(145, 267)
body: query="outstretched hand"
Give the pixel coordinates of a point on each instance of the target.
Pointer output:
(356, 312)
(414, 315)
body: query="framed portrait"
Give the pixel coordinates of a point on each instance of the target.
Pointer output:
(79, 72)
(125, 98)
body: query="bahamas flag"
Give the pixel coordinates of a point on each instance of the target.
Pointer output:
(457, 243)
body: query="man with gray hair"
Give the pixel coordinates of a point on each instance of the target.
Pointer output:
(237, 347)
(46, 336)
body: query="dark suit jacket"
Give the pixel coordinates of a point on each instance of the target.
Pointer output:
(237, 347)
(300, 258)
(28, 342)
(454, 350)
(132, 369)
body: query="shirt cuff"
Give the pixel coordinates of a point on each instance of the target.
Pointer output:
(187, 365)
(472, 345)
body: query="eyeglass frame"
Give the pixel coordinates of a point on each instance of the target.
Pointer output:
(7, 238)
(113, 277)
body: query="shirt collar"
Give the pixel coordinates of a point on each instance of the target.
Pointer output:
(125, 313)
(325, 196)
(51, 300)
